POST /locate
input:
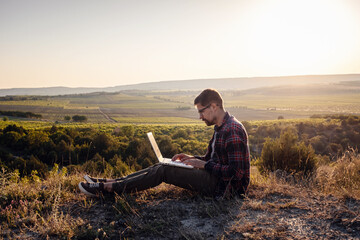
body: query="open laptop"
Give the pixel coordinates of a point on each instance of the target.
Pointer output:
(159, 156)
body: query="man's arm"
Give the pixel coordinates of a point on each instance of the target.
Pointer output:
(189, 160)
(236, 149)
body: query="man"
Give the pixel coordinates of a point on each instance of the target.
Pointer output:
(223, 171)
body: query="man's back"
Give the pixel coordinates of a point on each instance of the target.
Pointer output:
(230, 159)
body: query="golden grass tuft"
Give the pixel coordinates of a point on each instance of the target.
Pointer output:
(29, 203)
(342, 177)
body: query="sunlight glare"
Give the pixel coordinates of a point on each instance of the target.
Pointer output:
(299, 36)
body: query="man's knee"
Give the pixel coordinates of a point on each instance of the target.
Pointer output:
(158, 168)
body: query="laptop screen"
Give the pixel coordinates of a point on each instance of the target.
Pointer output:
(155, 146)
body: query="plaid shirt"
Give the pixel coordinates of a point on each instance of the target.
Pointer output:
(230, 160)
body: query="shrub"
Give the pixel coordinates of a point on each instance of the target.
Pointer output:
(285, 153)
(102, 142)
(247, 125)
(180, 133)
(35, 164)
(335, 149)
(10, 139)
(343, 176)
(127, 131)
(120, 168)
(353, 120)
(14, 128)
(96, 165)
(79, 118)
(168, 149)
(319, 143)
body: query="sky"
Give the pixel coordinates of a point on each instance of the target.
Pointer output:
(88, 43)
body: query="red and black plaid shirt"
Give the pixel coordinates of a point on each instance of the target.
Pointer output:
(231, 159)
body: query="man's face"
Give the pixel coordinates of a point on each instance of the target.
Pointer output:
(206, 114)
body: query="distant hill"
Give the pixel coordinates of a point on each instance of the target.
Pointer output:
(343, 87)
(197, 84)
(47, 91)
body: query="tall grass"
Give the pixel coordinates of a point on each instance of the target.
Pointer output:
(341, 177)
(35, 205)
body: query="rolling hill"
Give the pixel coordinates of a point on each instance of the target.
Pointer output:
(197, 84)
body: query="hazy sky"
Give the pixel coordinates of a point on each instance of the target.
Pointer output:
(86, 43)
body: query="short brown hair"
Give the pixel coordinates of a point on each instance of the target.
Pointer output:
(209, 96)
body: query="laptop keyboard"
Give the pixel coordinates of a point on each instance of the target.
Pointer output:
(176, 163)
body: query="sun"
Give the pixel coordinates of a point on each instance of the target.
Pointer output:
(298, 36)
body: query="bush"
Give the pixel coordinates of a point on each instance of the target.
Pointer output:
(286, 153)
(168, 149)
(319, 143)
(128, 131)
(14, 128)
(35, 164)
(102, 142)
(26, 166)
(79, 118)
(96, 166)
(180, 133)
(342, 176)
(247, 125)
(120, 168)
(10, 139)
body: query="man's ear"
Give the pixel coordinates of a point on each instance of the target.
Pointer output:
(214, 106)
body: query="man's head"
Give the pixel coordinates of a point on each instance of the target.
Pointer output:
(209, 96)
(210, 106)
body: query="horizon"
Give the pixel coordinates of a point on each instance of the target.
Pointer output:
(115, 43)
(290, 76)
(169, 81)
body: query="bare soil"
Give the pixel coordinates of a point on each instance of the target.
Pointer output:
(281, 211)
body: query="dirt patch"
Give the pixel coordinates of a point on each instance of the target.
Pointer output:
(168, 212)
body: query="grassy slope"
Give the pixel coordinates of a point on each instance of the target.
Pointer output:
(272, 209)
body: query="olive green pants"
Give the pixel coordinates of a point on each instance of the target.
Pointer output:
(189, 178)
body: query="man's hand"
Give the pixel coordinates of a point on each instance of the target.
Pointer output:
(189, 160)
(196, 163)
(181, 157)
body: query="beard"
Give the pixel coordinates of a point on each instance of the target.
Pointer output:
(209, 123)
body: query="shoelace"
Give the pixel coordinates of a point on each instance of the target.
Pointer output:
(93, 185)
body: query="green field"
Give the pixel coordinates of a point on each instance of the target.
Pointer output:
(332, 103)
(176, 107)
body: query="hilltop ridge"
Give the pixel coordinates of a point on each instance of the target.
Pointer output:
(241, 83)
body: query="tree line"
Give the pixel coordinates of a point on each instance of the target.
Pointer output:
(126, 148)
(20, 114)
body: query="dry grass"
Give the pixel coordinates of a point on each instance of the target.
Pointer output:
(32, 207)
(341, 178)
(272, 209)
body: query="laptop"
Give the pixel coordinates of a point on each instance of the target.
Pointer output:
(159, 156)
